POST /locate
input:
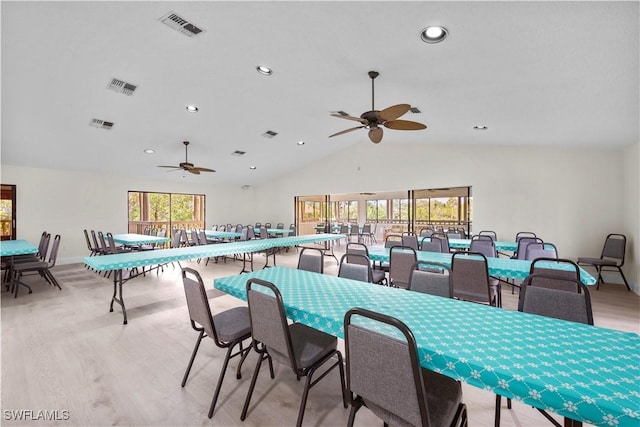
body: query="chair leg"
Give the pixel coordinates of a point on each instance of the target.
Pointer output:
(193, 356)
(624, 278)
(303, 401)
(356, 404)
(220, 379)
(261, 357)
(497, 414)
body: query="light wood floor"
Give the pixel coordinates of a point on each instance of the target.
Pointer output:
(64, 351)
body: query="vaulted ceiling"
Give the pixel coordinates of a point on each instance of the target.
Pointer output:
(535, 73)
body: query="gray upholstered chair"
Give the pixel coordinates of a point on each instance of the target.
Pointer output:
(570, 302)
(444, 241)
(523, 243)
(355, 267)
(39, 266)
(311, 259)
(384, 375)
(485, 246)
(401, 260)
(379, 276)
(431, 278)
(612, 257)
(491, 234)
(410, 240)
(471, 281)
(297, 346)
(228, 329)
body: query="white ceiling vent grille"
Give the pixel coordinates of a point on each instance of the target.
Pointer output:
(101, 124)
(238, 153)
(121, 86)
(415, 110)
(269, 134)
(181, 24)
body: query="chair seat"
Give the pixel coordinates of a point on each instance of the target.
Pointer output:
(309, 345)
(232, 324)
(30, 266)
(442, 407)
(378, 276)
(598, 261)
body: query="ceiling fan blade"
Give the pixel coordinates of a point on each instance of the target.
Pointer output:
(404, 125)
(393, 112)
(204, 169)
(194, 171)
(174, 167)
(356, 119)
(375, 134)
(346, 131)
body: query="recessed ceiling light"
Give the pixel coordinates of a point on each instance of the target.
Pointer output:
(265, 71)
(149, 151)
(192, 108)
(433, 34)
(480, 127)
(300, 143)
(252, 167)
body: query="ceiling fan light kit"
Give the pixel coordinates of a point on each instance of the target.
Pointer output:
(373, 119)
(186, 166)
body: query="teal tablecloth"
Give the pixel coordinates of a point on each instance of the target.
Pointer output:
(132, 239)
(579, 371)
(16, 247)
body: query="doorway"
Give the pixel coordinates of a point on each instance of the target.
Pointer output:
(8, 212)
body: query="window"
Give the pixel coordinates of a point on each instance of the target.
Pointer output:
(346, 211)
(399, 209)
(165, 211)
(376, 210)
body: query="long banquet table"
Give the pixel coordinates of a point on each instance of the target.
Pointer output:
(119, 262)
(584, 373)
(508, 268)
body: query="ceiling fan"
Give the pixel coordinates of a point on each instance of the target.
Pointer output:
(373, 119)
(189, 167)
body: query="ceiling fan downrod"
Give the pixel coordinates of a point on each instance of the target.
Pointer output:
(373, 75)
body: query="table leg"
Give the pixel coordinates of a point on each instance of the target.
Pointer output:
(117, 294)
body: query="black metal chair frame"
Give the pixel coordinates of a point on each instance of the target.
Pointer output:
(618, 264)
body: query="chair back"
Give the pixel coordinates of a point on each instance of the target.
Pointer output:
(357, 248)
(355, 267)
(311, 259)
(222, 227)
(444, 242)
(454, 235)
(269, 322)
(354, 229)
(53, 255)
(470, 276)
(426, 232)
(614, 248)
(184, 240)
(239, 228)
(202, 238)
(176, 240)
(431, 278)
(43, 246)
(214, 228)
(195, 240)
(541, 250)
(97, 245)
(366, 228)
(553, 272)
(111, 244)
(86, 238)
(344, 228)
(267, 225)
(264, 234)
(410, 240)
(251, 233)
(293, 232)
(555, 302)
(429, 245)
(280, 226)
(485, 246)
(393, 240)
(197, 302)
(523, 243)
(258, 224)
(523, 234)
(401, 260)
(385, 371)
(491, 234)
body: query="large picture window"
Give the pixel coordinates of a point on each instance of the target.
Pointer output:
(165, 211)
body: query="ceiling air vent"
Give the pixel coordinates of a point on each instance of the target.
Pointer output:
(269, 134)
(181, 24)
(238, 153)
(415, 110)
(121, 86)
(101, 124)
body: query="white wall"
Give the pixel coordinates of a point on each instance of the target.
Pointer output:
(65, 203)
(571, 197)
